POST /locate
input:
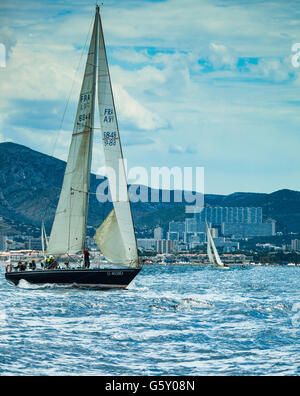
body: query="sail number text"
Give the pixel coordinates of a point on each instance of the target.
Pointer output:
(109, 138)
(108, 115)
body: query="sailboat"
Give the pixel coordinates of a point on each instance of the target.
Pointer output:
(44, 239)
(212, 253)
(115, 237)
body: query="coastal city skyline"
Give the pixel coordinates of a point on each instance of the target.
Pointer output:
(207, 93)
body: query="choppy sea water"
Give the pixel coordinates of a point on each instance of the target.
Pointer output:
(172, 320)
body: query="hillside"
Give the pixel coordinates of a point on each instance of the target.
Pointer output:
(30, 184)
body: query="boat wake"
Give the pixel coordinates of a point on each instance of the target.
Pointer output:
(3, 316)
(23, 284)
(185, 304)
(296, 315)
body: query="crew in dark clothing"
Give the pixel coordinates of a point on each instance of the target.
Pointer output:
(51, 263)
(47, 264)
(32, 265)
(21, 266)
(86, 258)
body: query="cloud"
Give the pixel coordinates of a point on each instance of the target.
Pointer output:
(219, 56)
(131, 56)
(176, 149)
(211, 78)
(273, 69)
(133, 112)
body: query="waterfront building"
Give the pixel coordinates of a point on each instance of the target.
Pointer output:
(193, 225)
(158, 233)
(164, 246)
(190, 225)
(146, 243)
(195, 237)
(295, 245)
(173, 236)
(225, 245)
(214, 232)
(177, 226)
(230, 215)
(242, 230)
(3, 244)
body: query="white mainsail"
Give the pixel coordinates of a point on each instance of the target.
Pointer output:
(214, 257)
(69, 226)
(116, 237)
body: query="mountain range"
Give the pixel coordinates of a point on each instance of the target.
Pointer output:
(30, 184)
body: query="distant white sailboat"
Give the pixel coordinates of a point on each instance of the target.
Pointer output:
(44, 239)
(212, 252)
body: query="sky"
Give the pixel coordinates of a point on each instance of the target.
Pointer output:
(197, 83)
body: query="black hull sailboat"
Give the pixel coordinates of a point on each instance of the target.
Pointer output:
(91, 278)
(115, 237)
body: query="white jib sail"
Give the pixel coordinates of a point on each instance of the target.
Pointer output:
(210, 243)
(107, 235)
(44, 235)
(42, 239)
(119, 245)
(69, 226)
(209, 252)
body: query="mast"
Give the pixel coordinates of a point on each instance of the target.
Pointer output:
(96, 28)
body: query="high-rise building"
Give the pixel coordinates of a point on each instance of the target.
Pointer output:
(158, 233)
(295, 245)
(230, 215)
(190, 225)
(177, 226)
(199, 237)
(214, 232)
(173, 236)
(164, 246)
(146, 243)
(242, 230)
(3, 244)
(226, 246)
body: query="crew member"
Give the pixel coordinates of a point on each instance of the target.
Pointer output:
(86, 258)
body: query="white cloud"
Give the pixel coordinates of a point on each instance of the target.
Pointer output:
(132, 111)
(273, 69)
(220, 56)
(131, 56)
(37, 73)
(226, 116)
